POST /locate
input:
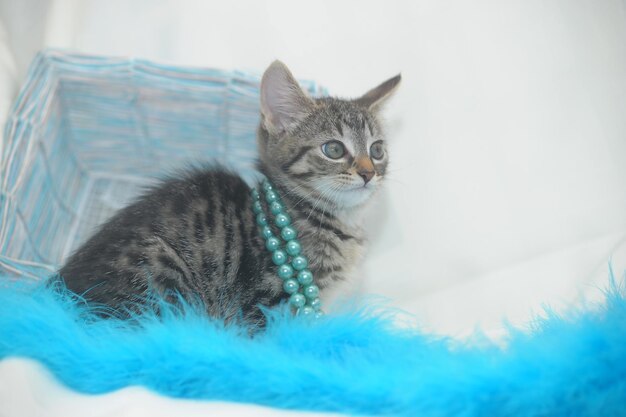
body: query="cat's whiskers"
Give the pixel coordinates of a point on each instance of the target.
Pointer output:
(334, 191)
(322, 192)
(305, 197)
(301, 185)
(321, 182)
(326, 196)
(292, 192)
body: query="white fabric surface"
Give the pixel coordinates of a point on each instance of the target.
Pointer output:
(508, 185)
(32, 392)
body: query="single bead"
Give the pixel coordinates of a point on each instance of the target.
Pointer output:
(272, 244)
(266, 186)
(285, 271)
(288, 233)
(276, 208)
(305, 277)
(261, 219)
(290, 286)
(306, 311)
(311, 291)
(297, 300)
(319, 314)
(316, 303)
(299, 263)
(271, 196)
(279, 257)
(293, 246)
(282, 220)
(266, 232)
(257, 207)
(254, 193)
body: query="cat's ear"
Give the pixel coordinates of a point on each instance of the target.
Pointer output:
(283, 103)
(377, 96)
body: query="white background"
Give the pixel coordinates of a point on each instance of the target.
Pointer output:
(508, 186)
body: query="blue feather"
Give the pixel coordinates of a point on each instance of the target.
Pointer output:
(355, 361)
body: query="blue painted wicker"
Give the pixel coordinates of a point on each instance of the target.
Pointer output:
(86, 133)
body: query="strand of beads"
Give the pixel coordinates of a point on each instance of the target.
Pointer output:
(290, 262)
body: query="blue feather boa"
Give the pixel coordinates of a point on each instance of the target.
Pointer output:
(356, 361)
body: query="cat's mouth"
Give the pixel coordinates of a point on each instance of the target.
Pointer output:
(354, 195)
(348, 194)
(361, 188)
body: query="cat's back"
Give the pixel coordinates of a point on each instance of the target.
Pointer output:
(184, 233)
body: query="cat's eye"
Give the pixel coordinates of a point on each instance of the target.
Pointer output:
(334, 149)
(377, 150)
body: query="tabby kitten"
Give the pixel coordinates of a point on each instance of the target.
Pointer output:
(196, 234)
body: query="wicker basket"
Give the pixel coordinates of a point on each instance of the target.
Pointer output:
(86, 133)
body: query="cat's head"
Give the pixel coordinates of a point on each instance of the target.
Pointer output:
(327, 150)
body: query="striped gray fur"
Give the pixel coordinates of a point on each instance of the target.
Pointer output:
(195, 233)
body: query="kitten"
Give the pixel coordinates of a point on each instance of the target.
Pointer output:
(196, 234)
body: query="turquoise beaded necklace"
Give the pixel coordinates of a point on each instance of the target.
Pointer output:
(287, 253)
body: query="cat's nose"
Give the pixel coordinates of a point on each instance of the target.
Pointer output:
(365, 169)
(367, 175)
